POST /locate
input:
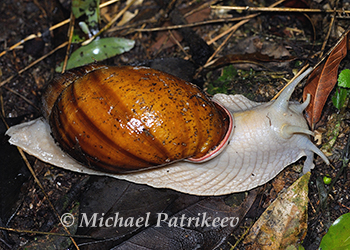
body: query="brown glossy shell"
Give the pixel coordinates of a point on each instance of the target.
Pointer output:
(120, 119)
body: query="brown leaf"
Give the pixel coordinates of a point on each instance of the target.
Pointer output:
(205, 236)
(284, 223)
(164, 40)
(189, 222)
(321, 82)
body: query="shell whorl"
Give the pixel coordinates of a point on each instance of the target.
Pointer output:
(59, 83)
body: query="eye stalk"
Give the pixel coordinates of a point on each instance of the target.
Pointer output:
(287, 131)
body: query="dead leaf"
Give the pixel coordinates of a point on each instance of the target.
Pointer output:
(127, 17)
(164, 40)
(321, 82)
(283, 180)
(284, 223)
(175, 218)
(206, 236)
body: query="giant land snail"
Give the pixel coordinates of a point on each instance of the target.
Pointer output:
(149, 127)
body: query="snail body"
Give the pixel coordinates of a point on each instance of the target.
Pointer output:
(211, 151)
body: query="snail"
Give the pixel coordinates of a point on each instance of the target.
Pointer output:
(149, 127)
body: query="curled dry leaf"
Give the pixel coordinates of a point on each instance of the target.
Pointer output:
(321, 82)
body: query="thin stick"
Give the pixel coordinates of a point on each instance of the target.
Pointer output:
(229, 30)
(102, 5)
(299, 73)
(23, 97)
(47, 233)
(318, 63)
(45, 194)
(33, 36)
(329, 32)
(178, 44)
(234, 28)
(30, 37)
(109, 24)
(334, 46)
(276, 9)
(70, 37)
(33, 63)
(41, 187)
(189, 25)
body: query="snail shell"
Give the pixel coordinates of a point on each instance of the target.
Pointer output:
(124, 119)
(266, 138)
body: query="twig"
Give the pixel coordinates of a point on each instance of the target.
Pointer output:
(102, 5)
(23, 97)
(318, 63)
(45, 194)
(232, 31)
(331, 50)
(30, 37)
(276, 9)
(33, 63)
(109, 24)
(70, 37)
(47, 233)
(299, 73)
(40, 185)
(189, 25)
(329, 31)
(33, 36)
(229, 30)
(234, 28)
(178, 44)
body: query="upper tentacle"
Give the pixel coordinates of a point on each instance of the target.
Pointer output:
(282, 102)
